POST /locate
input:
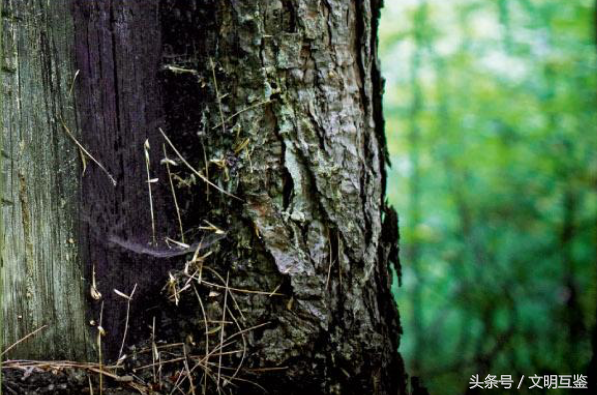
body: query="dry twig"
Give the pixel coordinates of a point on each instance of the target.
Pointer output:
(129, 299)
(193, 170)
(80, 146)
(24, 338)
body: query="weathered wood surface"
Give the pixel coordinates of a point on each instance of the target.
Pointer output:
(41, 271)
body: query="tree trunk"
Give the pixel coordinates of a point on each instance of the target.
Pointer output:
(41, 270)
(414, 138)
(276, 107)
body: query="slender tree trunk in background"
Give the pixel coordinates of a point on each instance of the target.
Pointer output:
(504, 13)
(415, 187)
(40, 272)
(278, 103)
(573, 313)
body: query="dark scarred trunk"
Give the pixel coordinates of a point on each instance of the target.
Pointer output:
(119, 101)
(276, 105)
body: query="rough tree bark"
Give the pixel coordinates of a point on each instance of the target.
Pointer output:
(278, 104)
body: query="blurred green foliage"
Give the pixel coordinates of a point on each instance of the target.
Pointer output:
(491, 122)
